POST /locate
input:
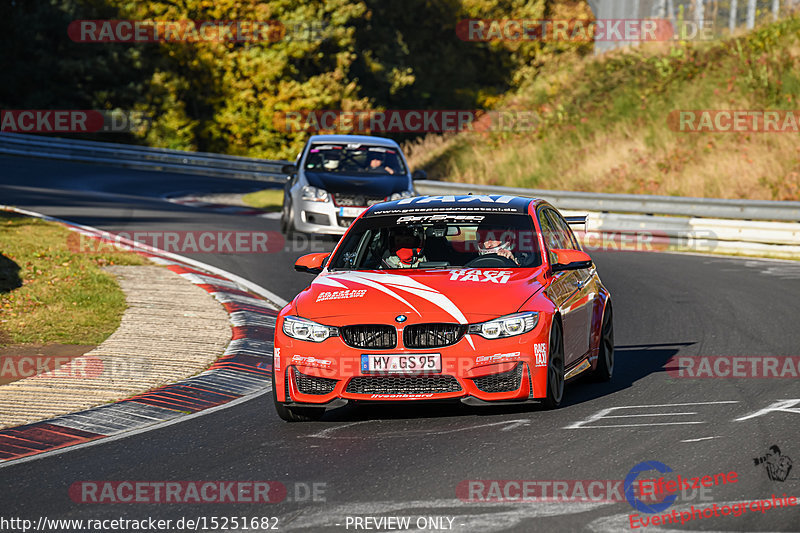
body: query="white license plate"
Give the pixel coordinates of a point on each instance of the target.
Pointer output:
(351, 212)
(402, 363)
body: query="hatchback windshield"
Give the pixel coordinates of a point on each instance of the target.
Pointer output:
(354, 158)
(439, 241)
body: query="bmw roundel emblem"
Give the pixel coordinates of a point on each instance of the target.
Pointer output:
(401, 318)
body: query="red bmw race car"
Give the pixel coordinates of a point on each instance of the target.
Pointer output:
(482, 299)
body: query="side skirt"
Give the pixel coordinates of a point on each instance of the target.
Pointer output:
(578, 369)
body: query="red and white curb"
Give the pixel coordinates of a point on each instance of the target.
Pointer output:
(241, 373)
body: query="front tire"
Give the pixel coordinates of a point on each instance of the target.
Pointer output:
(555, 368)
(287, 219)
(295, 414)
(605, 355)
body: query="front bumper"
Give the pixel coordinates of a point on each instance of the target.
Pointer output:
(323, 218)
(501, 370)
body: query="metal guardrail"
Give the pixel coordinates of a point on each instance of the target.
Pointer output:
(781, 233)
(633, 203)
(226, 166)
(142, 158)
(743, 237)
(744, 227)
(689, 17)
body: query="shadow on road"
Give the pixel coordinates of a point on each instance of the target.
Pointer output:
(9, 275)
(9, 280)
(632, 363)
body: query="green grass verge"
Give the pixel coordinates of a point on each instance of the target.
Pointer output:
(605, 123)
(51, 294)
(268, 199)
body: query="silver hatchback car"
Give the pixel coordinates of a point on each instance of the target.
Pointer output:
(337, 177)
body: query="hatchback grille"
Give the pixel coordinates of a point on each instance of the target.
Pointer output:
(356, 200)
(369, 336)
(432, 335)
(505, 382)
(403, 385)
(313, 384)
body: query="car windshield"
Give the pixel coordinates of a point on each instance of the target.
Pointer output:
(446, 240)
(354, 158)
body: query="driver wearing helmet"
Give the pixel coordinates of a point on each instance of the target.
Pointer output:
(497, 241)
(378, 162)
(405, 247)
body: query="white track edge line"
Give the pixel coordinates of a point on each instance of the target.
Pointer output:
(131, 433)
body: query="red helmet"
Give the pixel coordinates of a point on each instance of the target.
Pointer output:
(406, 243)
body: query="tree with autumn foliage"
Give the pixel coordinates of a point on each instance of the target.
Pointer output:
(223, 96)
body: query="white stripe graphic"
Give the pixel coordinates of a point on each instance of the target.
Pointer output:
(328, 281)
(382, 282)
(374, 285)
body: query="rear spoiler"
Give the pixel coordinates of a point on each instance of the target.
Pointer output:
(575, 221)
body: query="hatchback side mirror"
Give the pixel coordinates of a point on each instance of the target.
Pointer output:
(419, 174)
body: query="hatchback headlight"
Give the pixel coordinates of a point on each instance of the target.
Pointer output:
(306, 330)
(506, 326)
(401, 195)
(314, 195)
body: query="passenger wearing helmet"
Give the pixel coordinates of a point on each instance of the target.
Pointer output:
(497, 241)
(331, 164)
(405, 248)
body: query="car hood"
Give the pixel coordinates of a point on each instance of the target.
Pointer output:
(367, 184)
(462, 296)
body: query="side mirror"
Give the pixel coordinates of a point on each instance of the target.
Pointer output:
(419, 175)
(311, 263)
(288, 169)
(570, 260)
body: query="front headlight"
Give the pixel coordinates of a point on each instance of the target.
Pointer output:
(306, 330)
(401, 195)
(313, 194)
(506, 326)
